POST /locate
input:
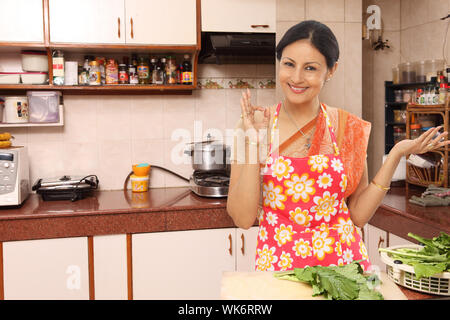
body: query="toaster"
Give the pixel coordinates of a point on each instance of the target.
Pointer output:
(14, 176)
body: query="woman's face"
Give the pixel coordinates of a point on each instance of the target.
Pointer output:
(303, 72)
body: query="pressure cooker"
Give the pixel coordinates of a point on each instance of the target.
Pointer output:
(209, 155)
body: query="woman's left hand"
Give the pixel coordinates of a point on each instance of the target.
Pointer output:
(424, 143)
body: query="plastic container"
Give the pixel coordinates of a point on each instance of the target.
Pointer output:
(139, 183)
(9, 77)
(400, 116)
(407, 72)
(408, 95)
(421, 71)
(35, 61)
(398, 94)
(44, 106)
(399, 134)
(415, 131)
(16, 109)
(34, 77)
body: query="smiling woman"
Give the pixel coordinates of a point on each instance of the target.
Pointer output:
(310, 189)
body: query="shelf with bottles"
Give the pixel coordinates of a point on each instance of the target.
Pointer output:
(168, 81)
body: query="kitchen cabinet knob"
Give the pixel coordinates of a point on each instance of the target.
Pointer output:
(243, 244)
(132, 33)
(380, 241)
(118, 27)
(230, 250)
(259, 26)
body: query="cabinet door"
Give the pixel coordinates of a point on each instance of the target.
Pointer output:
(169, 22)
(22, 21)
(181, 264)
(55, 269)
(110, 267)
(377, 239)
(246, 241)
(87, 21)
(238, 15)
(397, 241)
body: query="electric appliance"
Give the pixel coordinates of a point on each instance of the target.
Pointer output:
(66, 187)
(14, 176)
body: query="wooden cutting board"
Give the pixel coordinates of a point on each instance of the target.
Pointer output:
(264, 286)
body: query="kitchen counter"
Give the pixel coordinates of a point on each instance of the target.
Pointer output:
(171, 209)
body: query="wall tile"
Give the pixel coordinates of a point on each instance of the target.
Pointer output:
(179, 113)
(147, 114)
(37, 134)
(325, 10)
(175, 160)
(114, 163)
(353, 10)
(80, 159)
(210, 110)
(240, 70)
(290, 10)
(211, 70)
(114, 118)
(46, 159)
(150, 151)
(390, 14)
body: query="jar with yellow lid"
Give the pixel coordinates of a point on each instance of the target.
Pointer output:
(95, 78)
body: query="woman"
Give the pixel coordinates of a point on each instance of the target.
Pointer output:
(314, 184)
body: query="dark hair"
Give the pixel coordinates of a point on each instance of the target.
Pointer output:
(318, 34)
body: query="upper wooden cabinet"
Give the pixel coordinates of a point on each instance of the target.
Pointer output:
(168, 22)
(239, 16)
(145, 22)
(22, 21)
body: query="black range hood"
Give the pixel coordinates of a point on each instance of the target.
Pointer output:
(237, 48)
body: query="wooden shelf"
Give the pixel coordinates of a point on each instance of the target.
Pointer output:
(8, 89)
(420, 108)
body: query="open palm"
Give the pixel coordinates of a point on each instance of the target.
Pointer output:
(426, 142)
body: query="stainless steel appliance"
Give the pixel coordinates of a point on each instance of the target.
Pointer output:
(66, 187)
(210, 183)
(14, 176)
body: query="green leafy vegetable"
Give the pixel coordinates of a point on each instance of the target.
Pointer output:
(338, 283)
(433, 258)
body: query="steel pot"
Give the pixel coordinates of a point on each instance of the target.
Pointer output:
(209, 155)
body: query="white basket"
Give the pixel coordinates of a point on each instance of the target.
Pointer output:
(404, 275)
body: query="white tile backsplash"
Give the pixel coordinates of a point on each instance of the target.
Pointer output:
(106, 135)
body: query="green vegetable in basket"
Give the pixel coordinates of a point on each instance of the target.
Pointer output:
(338, 283)
(433, 258)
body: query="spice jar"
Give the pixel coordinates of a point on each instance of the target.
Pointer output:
(112, 72)
(400, 116)
(399, 134)
(123, 74)
(408, 95)
(143, 71)
(415, 131)
(398, 95)
(132, 74)
(95, 78)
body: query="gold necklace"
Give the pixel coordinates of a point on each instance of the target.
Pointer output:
(308, 139)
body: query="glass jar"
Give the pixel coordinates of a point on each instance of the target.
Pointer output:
(400, 116)
(407, 73)
(421, 71)
(395, 75)
(95, 77)
(408, 95)
(171, 70)
(123, 74)
(112, 72)
(143, 71)
(132, 74)
(399, 134)
(415, 131)
(398, 94)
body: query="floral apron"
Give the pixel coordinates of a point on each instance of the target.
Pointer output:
(306, 221)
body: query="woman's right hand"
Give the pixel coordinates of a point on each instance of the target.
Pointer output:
(251, 125)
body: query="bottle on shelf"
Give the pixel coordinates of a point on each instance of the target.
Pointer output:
(163, 70)
(95, 77)
(143, 71)
(58, 67)
(187, 70)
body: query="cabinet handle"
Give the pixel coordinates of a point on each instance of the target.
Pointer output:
(118, 27)
(380, 242)
(259, 26)
(230, 250)
(132, 33)
(243, 245)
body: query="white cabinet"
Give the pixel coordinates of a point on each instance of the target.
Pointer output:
(239, 16)
(151, 22)
(377, 238)
(21, 21)
(55, 269)
(397, 241)
(168, 22)
(181, 264)
(246, 241)
(110, 267)
(87, 21)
